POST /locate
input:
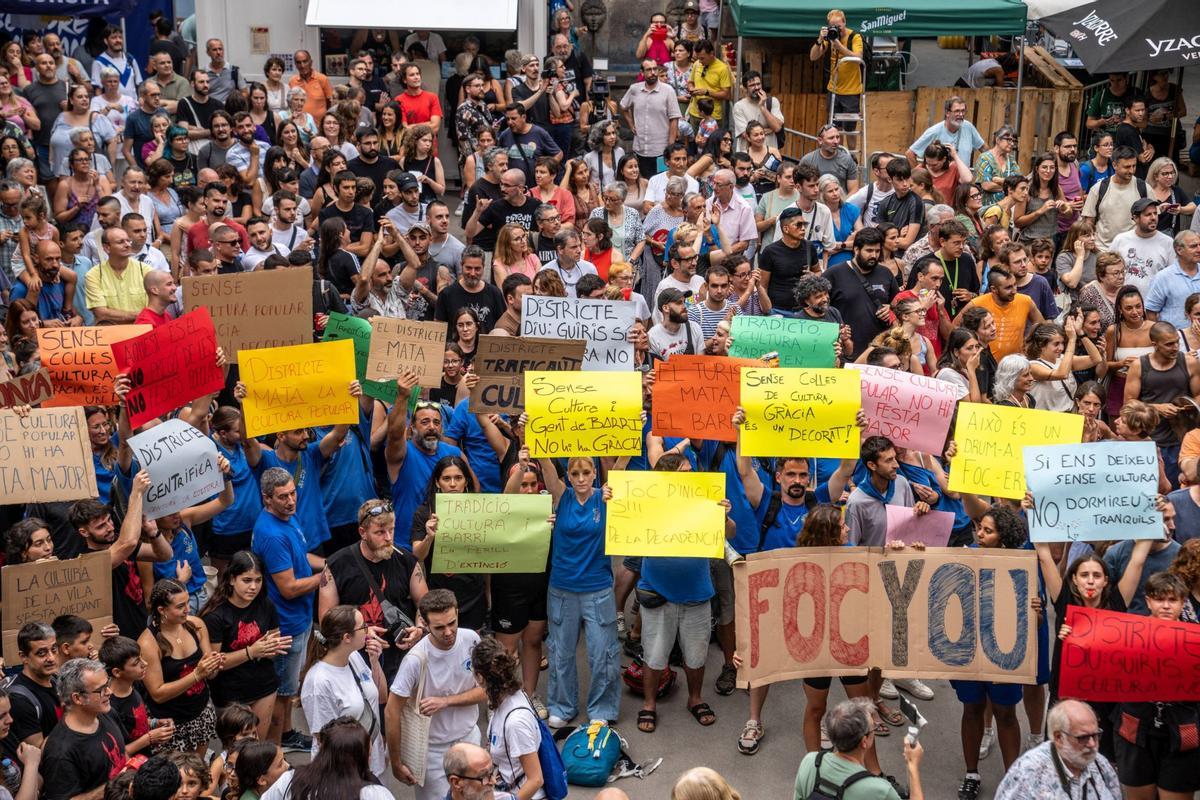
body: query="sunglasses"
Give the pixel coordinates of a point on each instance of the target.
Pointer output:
(375, 511)
(423, 404)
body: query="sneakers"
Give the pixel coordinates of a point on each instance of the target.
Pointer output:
(557, 722)
(826, 742)
(969, 788)
(727, 680)
(914, 687)
(296, 742)
(1033, 740)
(985, 744)
(539, 707)
(752, 735)
(620, 626)
(887, 690)
(458, 212)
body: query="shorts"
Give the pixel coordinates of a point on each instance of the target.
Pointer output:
(288, 665)
(1001, 694)
(823, 684)
(196, 601)
(722, 578)
(691, 624)
(710, 20)
(1154, 764)
(518, 601)
(224, 545)
(633, 564)
(190, 735)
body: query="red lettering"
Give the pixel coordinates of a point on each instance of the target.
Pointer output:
(804, 578)
(767, 578)
(847, 577)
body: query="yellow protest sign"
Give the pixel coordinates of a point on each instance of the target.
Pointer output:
(666, 514)
(298, 386)
(800, 412)
(575, 413)
(991, 445)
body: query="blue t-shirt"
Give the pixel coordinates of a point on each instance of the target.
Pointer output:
(918, 474)
(577, 560)
(183, 548)
(411, 485)
(680, 580)
(306, 472)
(641, 462)
(347, 480)
(51, 300)
(465, 430)
(788, 522)
(281, 546)
(1117, 558)
(247, 498)
(104, 479)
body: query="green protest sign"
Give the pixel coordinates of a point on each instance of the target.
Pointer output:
(799, 342)
(492, 533)
(358, 330)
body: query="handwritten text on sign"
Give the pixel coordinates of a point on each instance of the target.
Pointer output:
(255, 310)
(169, 366)
(1114, 657)
(583, 414)
(991, 441)
(697, 395)
(492, 533)
(799, 342)
(914, 411)
(26, 390)
(502, 361)
(404, 344)
(666, 514)
(297, 387)
(45, 457)
(603, 324)
(81, 363)
(358, 330)
(182, 464)
(42, 591)
(941, 613)
(800, 412)
(1098, 492)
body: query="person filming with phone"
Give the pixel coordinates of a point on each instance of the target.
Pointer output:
(845, 79)
(756, 105)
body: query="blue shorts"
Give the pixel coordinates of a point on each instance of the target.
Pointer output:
(288, 665)
(1001, 694)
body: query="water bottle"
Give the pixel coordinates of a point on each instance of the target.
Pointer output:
(12, 775)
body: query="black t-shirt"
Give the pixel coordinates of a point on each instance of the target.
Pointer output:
(786, 265)
(76, 763)
(857, 297)
(358, 219)
(902, 211)
(501, 212)
(959, 273)
(543, 247)
(376, 172)
(469, 588)
(67, 541)
(488, 304)
(1127, 135)
(392, 576)
(131, 714)
(129, 600)
(486, 238)
(185, 169)
(539, 112)
(343, 266)
(45, 99)
(28, 720)
(197, 114)
(230, 629)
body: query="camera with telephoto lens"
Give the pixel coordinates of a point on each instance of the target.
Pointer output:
(833, 33)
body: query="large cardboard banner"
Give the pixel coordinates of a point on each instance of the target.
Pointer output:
(603, 324)
(941, 613)
(1113, 657)
(666, 514)
(492, 533)
(696, 396)
(255, 310)
(182, 464)
(358, 330)
(400, 344)
(45, 457)
(27, 390)
(41, 591)
(502, 361)
(1096, 492)
(914, 411)
(169, 366)
(800, 412)
(81, 363)
(799, 342)
(297, 387)
(991, 444)
(583, 414)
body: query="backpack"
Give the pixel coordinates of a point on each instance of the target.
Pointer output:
(634, 678)
(554, 774)
(1103, 190)
(773, 506)
(590, 753)
(824, 790)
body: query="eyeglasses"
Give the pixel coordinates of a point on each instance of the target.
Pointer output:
(1084, 738)
(103, 690)
(225, 241)
(488, 777)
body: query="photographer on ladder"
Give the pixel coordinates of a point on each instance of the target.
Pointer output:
(845, 79)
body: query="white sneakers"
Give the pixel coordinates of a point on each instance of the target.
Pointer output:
(915, 687)
(985, 744)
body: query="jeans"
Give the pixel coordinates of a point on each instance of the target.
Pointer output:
(288, 665)
(598, 613)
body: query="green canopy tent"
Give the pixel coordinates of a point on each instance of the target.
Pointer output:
(915, 18)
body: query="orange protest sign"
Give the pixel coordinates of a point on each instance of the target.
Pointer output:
(81, 363)
(695, 396)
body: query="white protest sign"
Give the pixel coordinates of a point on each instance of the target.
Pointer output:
(182, 463)
(603, 324)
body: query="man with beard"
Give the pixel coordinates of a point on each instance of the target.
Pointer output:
(216, 201)
(651, 111)
(220, 140)
(1011, 311)
(138, 126)
(370, 164)
(261, 244)
(245, 154)
(1066, 153)
(526, 142)
(422, 278)
(1068, 760)
(861, 289)
(87, 749)
(812, 302)
(285, 230)
(35, 706)
(1145, 249)
(785, 261)
(1129, 132)
(743, 168)
(866, 509)
(195, 113)
(160, 296)
(960, 282)
(469, 291)
(675, 333)
(549, 223)
(55, 307)
(483, 193)
(139, 239)
(115, 57)
(472, 113)
(575, 62)
(445, 249)
(515, 205)
(568, 261)
(67, 69)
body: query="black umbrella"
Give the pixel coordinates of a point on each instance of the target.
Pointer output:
(1131, 35)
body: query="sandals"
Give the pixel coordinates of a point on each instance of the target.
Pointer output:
(647, 720)
(703, 714)
(891, 716)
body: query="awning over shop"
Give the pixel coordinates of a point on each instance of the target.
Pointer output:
(469, 15)
(779, 18)
(1116, 35)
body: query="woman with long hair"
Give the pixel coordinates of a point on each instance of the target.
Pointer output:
(261, 113)
(604, 152)
(624, 221)
(775, 200)
(485, 139)
(22, 322)
(702, 783)
(161, 177)
(106, 458)
(1037, 216)
(847, 219)
(1099, 166)
(336, 263)
(891, 246)
(513, 254)
(717, 154)
(564, 103)
(629, 175)
(761, 154)
(1189, 337)
(1015, 192)
(334, 129)
(1075, 264)
(1089, 403)
(451, 475)
(911, 315)
(997, 163)
(257, 767)
(1187, 568)
(27, 541)
(1125, 341)
(513, 729)
(466, 333)
(242, 623)
(678, 72)
(340, 770)
(923, 187)
(545, 190)
(1013, 382)
(389, 121)
(577, 179)
(946, 169)
(180, 661)
(332, 164)
(17, 110)
(598, 248)
(968, 201)
(420, 160)
(1051, 367)
(338, 682)
(1102, 292)
(548, 283)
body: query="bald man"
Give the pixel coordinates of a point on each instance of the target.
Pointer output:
(733, 215)
(160, 295)
(53, 298)
(514, 205)
(1070, 757)
(471, 773)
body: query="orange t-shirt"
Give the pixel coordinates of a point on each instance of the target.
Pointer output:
(1010, 322)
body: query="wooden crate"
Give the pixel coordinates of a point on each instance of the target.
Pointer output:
(1044, 71)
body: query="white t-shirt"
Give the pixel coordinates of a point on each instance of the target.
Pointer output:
(975, 78)
(859, 199)
(253, 257)
(664, 344)
(513, 733)
(279, 790)
(448, 673)
(145, 208)
(656, 188)
(1144, 258)
(291, 238)
(434, 45)
(329, 692)
(818, 225)
(694, 285)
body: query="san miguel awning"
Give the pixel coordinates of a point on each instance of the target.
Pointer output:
(69, 8)
(1118, 35)
(787, 18)
(473, 15)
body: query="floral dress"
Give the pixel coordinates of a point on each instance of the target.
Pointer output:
(988, 168)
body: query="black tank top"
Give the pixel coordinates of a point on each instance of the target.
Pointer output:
(189, 705)
(1163, 386)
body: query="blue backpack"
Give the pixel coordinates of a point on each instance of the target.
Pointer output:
(590, 753)
(554, 774)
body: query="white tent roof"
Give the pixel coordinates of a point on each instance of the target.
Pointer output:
(1046, 8)
(471, 15)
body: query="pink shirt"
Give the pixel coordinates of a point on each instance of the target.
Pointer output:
(737, 220)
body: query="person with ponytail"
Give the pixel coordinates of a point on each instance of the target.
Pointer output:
(244, 625)
(339, 683)
(339, 771)
(514, 734)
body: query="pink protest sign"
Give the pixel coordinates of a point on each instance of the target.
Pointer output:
(914, 411)
(931, 529)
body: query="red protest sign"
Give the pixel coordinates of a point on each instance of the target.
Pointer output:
(1115, 657)
(695, 396)
(171, 365)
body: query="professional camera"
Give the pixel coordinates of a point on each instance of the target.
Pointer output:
(833, 33)
(600, 89)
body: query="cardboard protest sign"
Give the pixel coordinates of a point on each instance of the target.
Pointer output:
(603, 324)
(43, 590)
(405, 344)
(169, 366)
(492, 533)
(502, 361)
(914, 411)
(583, 414)
(666, 514)
(991, 440)
(931, 529)
(358, 330)
(27, 390)
(182, 464)
(1096, 492)
(45, 457)
(800, 412)
(799, 342)
(255, 310)
(299, 386)
(696, 396)
(81, 363)
(940, 613)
